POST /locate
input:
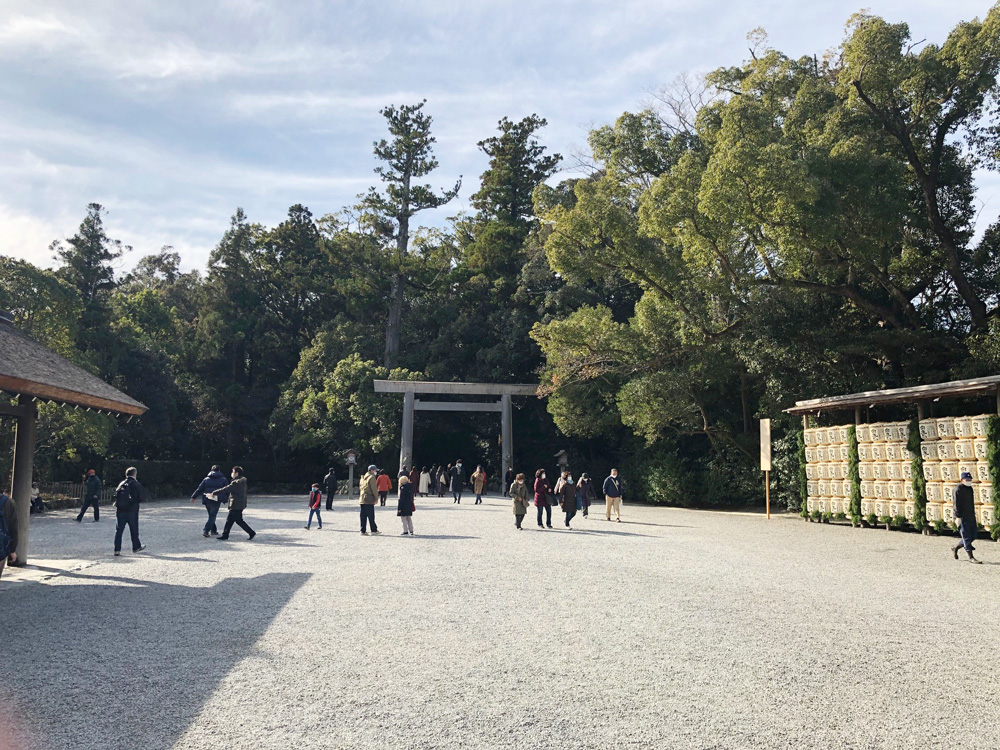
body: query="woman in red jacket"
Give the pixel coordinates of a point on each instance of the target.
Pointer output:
(542, 498)
(383, 484)
(315, 498)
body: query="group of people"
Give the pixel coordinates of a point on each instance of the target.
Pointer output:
(571, 497)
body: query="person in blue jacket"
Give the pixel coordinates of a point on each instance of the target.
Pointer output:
(214, 481)
(613, 495)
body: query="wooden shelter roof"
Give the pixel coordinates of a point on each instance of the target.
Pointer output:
(31, 369)
(911, 394)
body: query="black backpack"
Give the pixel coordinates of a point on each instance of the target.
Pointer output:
(123, 497)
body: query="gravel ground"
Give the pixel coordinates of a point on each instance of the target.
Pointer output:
(673, 629)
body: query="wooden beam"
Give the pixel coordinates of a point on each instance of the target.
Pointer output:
(471, 389)
(10, 410)
(456, 406)
(952, 389)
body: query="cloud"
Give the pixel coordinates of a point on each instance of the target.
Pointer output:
(27, 236)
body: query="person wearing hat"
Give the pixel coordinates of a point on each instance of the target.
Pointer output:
(91, 496)
(965, 513)
(369, 496)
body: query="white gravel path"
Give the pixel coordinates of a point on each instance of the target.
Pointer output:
(674, 629)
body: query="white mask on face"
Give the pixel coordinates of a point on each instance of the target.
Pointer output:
(543, 475)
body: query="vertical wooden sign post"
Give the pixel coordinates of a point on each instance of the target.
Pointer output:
(765, 461)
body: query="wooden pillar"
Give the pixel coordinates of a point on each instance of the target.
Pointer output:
(921, 410)
(506, 437)
(24, 465)
(406, 444)
(857, 415)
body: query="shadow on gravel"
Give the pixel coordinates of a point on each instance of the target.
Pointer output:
(113, 666)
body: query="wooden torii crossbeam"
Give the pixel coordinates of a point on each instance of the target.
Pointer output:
(410, 389)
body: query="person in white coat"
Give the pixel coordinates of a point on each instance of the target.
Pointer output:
(425, 482)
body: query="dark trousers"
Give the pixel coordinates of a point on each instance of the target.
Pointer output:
(569, 515)
(236, 516)
(368, 518)
(88, 502)
(213, 511)
(331, 490)
(319, 518)
(518, 517)
(548, 514)
(968, 530)
(130, 519)
(457, 494)
(381, 497)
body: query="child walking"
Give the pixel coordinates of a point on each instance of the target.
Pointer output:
(315, 498)
(405, 507)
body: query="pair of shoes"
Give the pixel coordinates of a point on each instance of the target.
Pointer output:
(140, 548)
(118, 553)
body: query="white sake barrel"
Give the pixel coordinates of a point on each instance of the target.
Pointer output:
(824, 487)
(908, 493)
(822, 504)
(933, 511)
(896, 490)
(982, 472)
(928, 429)
(903, 431)
(821, 453)
(889, 433)
(964, 450)
(832, 435)
(949, 472)
(897, 508)
(810, 455)
(811, 504)
(882, 507)
(892, 452)
(932, 471)
(928, 450)
(905, 452)
(879, 471)
(812, 487)
(846, 488)
(963, 427)
(986, 515)
(867, 506)
(877, 430)
(979, 425)
(844, 434)
(868, 489)
(909, 510)
(893, 471)
(845, 453)
(947, 512)
(906, 470)
(811, 472)
(864, 451)
(809, 436)
(935, 492)
(979, 448)
(985, 493)
(881, 489)
(865, 470)
(946, 450)
(878, 451)
(864, 433)
(946, 428)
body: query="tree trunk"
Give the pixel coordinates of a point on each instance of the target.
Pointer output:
(394, 326)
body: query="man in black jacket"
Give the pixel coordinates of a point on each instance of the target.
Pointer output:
(9, 512)
(965, 513)
(128, 495)
(457, 480)
(330, 483)
(91, 495)
(214, 481)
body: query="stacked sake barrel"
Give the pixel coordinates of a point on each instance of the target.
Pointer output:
(885, 467)
(828, 482)
(951, 446)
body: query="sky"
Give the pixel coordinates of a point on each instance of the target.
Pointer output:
(173, 114)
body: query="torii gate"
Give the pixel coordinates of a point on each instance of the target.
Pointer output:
(410, 389)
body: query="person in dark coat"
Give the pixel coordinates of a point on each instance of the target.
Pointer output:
(457, 475)
(541, 489)
(405, 505)
(585, 493)
(330, 483)
(613, 495)
(9, 512)
(442, 480)
(965, 513)
(212, 482)
(236, 491)
(128, 495)
(508, 480)
(566, 494)
(91, 496)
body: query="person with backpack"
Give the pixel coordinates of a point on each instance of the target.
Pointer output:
(236, 491)
(315, 499)
(128, 495)
(92, 488)
(8, 531)
(214, 481)
(330, 482)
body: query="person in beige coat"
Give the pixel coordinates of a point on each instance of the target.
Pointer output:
(478, 483)
(521, 496)
(369, 497)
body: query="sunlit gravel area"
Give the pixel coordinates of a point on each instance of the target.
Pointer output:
(673, 629)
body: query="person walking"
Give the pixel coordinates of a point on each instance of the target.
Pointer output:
(212, 482)
(508, 480)
(315, 500)
(566, 494)
(414, 478)
(404, 471)
(613, 496)
(92, 488)
(236, 491)
(541, 489)
(585, 493)
(8, 531)
(442, 480)
(384, 485)
(424, 487)
(457, 474)
(405, 506)
(330, 483)
(965, 513)
(368, 490)
(128, 495)
(478, 483)
(520, 495)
